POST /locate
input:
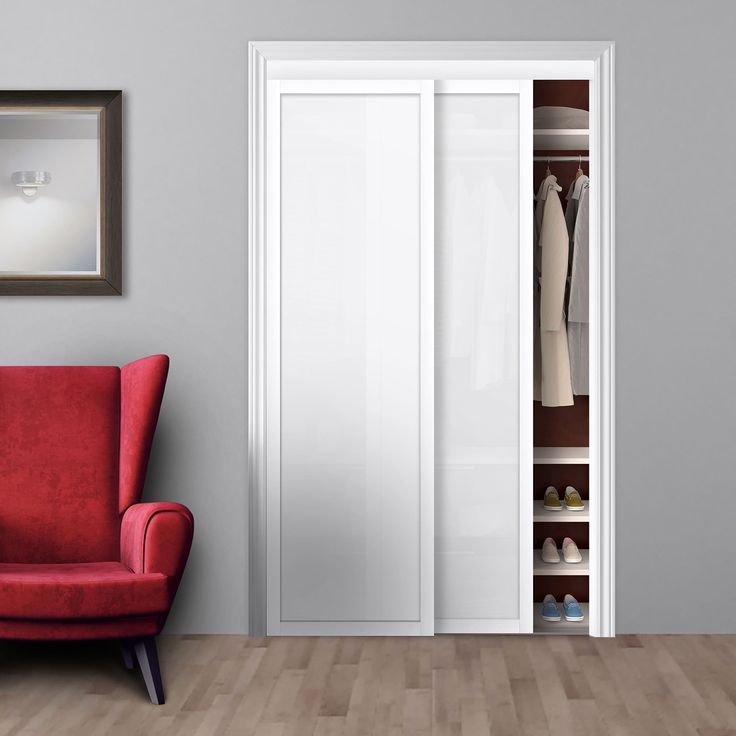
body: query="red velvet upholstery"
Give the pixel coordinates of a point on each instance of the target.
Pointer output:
(152, 534)
(79, 556)
(79, 591)
(107, 628)
(141, 390)
(59, 450)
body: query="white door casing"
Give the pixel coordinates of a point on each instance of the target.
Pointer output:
(332, 64)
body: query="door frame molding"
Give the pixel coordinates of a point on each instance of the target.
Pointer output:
(593, 60)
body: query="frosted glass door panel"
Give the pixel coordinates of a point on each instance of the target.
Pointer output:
(350, 357)
(477, 357)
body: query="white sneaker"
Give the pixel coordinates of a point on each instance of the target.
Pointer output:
(570, 552)
(549, 551)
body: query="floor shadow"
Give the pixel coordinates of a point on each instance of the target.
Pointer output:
(97, 662)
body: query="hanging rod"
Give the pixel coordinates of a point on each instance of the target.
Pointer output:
(553, 159)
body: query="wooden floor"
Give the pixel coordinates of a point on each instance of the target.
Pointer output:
(446, 685)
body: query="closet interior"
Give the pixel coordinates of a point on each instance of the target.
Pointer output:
(561, 412)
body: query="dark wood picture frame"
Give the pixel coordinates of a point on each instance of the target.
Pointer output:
(108, 104)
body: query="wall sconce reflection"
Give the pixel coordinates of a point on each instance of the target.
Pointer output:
(30, 182)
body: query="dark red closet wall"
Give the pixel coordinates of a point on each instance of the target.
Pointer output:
(561, 426)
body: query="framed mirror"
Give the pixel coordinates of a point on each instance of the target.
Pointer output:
(60, 192)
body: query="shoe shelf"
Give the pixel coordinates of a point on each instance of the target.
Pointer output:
(541, 514)
(561, 567)
(559, 627)
(561, 456)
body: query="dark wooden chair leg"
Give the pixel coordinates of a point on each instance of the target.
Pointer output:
(128, 656)
(145, 652)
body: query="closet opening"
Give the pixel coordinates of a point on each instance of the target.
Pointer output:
(398, 460)
(561, 485)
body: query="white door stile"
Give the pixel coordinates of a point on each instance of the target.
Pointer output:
(526, 357)
(273, 356)
(426, 289)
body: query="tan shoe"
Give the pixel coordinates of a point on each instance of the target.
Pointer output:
(570, 552)
(573, 502)
(549, 551)
(552, 499)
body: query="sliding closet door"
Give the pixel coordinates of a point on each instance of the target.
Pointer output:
(350, 358)
(483, 357)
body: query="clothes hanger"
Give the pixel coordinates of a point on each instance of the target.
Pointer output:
(580, 171)
(548, 172)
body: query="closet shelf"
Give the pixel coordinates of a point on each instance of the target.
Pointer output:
(562, 567)
(561, 455)
(560, 627)
(541, 514)
(561, 139)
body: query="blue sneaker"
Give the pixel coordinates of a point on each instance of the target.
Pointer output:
(573, 612)
(550, 611)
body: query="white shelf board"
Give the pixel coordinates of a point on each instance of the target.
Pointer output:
(561, 455)
(561, 139)
(561, 567)
(559, 627)
(541, 514)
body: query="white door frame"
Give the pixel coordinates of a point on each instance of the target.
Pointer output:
(447, 60)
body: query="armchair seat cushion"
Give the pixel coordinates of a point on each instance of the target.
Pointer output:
(88, 590)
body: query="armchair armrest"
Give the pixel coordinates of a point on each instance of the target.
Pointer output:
(156, 537)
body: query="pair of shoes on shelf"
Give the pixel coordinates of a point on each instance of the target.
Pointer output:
(573, 501)
(570, 552)
(570, 607)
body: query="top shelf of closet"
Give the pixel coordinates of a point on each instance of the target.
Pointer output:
(561, 139)
(561, 456)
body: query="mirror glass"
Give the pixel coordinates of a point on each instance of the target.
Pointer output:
(49, 192)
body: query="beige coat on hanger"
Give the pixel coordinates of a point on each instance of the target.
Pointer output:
(553, 369)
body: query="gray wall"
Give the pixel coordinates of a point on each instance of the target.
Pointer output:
(182, 65)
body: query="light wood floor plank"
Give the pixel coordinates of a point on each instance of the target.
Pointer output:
(378, 686)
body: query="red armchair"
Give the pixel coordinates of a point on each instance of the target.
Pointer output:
(80, 556)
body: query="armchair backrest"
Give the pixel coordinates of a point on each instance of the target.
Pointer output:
(74, 447)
